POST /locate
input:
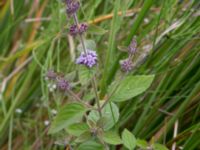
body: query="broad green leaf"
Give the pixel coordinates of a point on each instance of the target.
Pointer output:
(128, 139)
(89, 44)
(157, 146)
(110, 115)
(85, 74)
(89, 95)
(93, 29)
(102, 122)
(69, 114)
(77, 129)
(130, 87)
(84, 137)
(112, 138)
(90, 145)
(142, 143)
(91, 123)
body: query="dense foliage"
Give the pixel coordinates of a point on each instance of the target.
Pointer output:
(49, 99)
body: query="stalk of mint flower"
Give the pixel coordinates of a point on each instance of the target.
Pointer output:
(126, 66)
(88, 58)
(81, 37)
(64, 86)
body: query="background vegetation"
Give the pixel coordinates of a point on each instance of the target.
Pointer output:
(34, 37)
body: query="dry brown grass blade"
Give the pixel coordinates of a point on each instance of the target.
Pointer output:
(129, 12)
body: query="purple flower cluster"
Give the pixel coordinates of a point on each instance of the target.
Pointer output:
(63, 84)
(126, 64)
(68, 1)
(75, 30)
(132, 47)
(88, 59)
(57, 81)
(83, 27)
(51, 75)
(72, 7)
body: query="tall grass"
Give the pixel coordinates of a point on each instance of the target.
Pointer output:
(34, 37)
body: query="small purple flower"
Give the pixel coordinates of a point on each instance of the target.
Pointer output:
(74, 30)
(132, 47)
(89, 59)
(126, 65)
(68, 2)
(51, 75)
(63, 84)
(72, 7)
(83, 27)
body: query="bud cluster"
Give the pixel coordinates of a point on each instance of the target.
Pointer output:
(75, 30)
(127, 64)
(56, 82)
(132, 47)
(88, 57)
(72, 7)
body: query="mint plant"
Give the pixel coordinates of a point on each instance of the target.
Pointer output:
(95, 124)
(94, 97)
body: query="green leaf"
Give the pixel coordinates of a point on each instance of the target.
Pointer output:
(69, 114)
(77, 129)
(84, 137)
(110, 115)
(112, 138)
(102, 122)
(90, 145)
(89, 44)
(157, 146)
(130, 87)
(128, 139)
(85, 74)
(89, 95)
(142, 143)
(93, 29)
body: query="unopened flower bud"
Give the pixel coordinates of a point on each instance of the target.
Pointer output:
(83, 27)
(132, 47)
(72, 7)
(63, 84)
(74, 30)
(68, 2)
(126, 65)
(51, 75)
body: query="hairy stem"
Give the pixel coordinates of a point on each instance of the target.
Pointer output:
(78, 99)
(97, 97)
(93, 79)
(115, 89)
(81, 37)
